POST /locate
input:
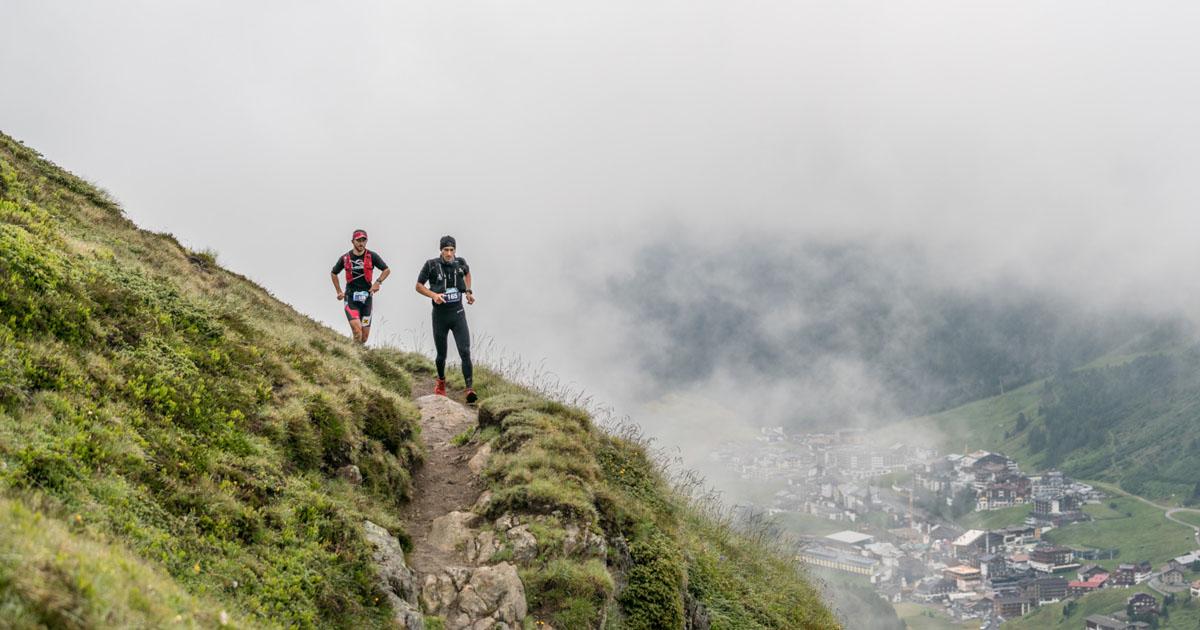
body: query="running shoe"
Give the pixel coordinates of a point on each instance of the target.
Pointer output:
(439, 387)
(471, 397)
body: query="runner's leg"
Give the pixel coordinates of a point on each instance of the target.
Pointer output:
(355, 323)
(462, 339)
(440, 330)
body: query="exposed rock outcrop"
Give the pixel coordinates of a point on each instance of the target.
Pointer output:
(476, 598)
(396, 579)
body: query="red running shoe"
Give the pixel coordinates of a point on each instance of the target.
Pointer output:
(471, 397)
(439, 387)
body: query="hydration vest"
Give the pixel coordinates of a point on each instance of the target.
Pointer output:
(366, 267)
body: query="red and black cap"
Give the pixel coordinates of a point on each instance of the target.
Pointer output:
(358, 234)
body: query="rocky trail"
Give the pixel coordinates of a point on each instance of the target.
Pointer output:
(449, 572)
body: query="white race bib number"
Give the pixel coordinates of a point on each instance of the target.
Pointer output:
(360, 296)
(452, 296)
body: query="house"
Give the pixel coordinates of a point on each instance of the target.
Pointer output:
(1051, 558)
(965, 578)
(1171, 575)
(992, 565)
(1143, 603)
(1047, 590)
(1089, 570)
(934, 588)
(838, 560)
(1083, 587)
(1130, 574)
(1143, 572)
(1011, 605)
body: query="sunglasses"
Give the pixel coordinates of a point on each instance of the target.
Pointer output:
(360, 240)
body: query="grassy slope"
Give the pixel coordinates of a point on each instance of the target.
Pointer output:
(1140, 431)
(174, 411)
(1140, 531)
(666, 551)
(995, 519)
(174, 432)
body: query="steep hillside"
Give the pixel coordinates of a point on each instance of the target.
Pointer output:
(176, 448)
(1129, 419)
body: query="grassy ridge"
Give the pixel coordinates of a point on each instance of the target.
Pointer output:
(153, 399)
(667, 557)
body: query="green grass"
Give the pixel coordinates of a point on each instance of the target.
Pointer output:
(53, 575)
(978, 425)
(996, 519)
(807, 524)
(1188, 517)
(919, 617)
(1140, 531)
(548, 459)
(186, 416)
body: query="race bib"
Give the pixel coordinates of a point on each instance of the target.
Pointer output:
(360, 296)
(452, 296)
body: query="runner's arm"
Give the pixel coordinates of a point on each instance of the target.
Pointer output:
(337, 286)
(379, 281)
(423, 290)
(469, 292)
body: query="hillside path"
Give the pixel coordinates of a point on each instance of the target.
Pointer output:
(444, 483)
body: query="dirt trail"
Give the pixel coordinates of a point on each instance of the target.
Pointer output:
(444, 483)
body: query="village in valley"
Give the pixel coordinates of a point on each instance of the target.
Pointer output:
(915, 525)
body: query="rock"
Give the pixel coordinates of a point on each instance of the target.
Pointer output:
(482, 597)
(506, 522)
(480, 459)
(452, 532)
(523, 543)
(483, 547)
(695, 612)
(583, 542)
(439, 412)
(351, 474)
(396, 579)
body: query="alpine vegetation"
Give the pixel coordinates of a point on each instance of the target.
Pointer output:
(179, 448)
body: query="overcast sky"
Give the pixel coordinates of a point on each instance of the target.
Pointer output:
(1057, 142)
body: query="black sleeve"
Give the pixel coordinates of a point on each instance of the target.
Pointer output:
(423, 276)
(339, 266)
(462, 262)
(377, 261)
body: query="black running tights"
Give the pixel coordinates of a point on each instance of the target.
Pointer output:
(446, 321)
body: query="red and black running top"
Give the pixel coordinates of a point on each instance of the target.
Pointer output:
(358, 270)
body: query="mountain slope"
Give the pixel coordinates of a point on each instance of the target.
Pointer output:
(1129, 419)
(175, 436)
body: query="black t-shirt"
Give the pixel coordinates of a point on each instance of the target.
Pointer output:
(442, 276)
(358, 279)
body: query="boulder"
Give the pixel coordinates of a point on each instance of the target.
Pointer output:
(480, 597)
(480, 459)
(452, 532)
(351, 474)
(397, 581)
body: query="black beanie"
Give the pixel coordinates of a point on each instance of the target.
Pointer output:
(447, 241)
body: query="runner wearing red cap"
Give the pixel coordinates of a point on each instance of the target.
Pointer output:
(359, 265)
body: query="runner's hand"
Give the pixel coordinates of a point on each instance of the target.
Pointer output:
(438, 298)
(470, 298)
(374, 287)
(341, 295)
